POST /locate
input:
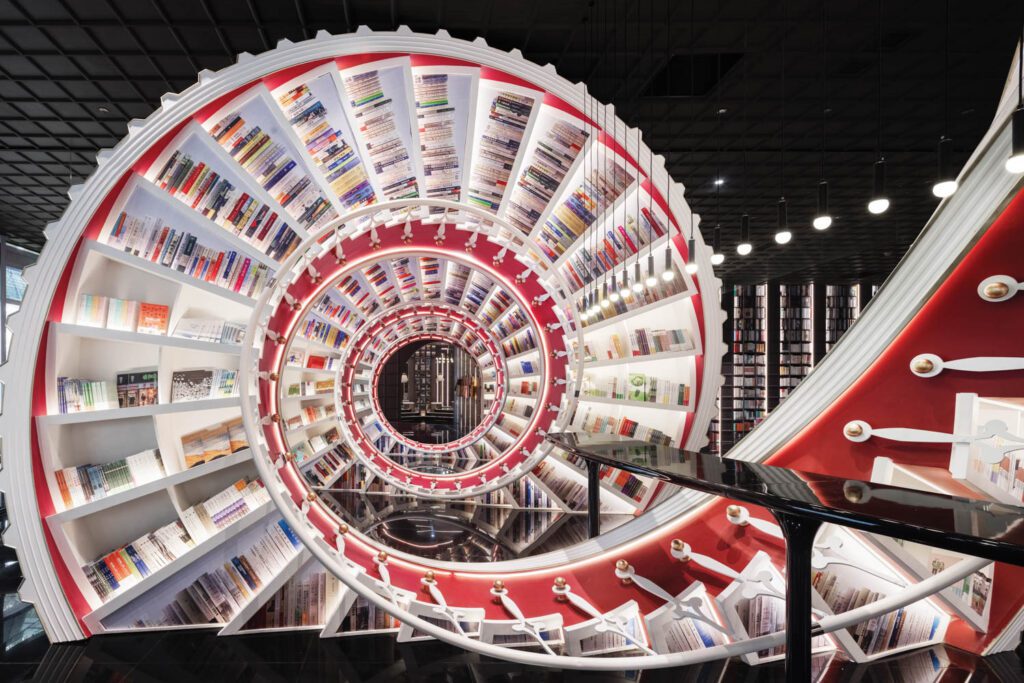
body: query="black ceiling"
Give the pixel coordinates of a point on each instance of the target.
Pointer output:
(73, 72)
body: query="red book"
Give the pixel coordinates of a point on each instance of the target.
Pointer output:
(242, 272)
(236, 208)
(212, 274)
(187, 185)
(158, 249)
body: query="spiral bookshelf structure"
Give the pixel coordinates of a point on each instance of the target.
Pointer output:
(194, 438)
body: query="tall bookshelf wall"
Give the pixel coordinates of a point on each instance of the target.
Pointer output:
(795, 336)
(748, 380)
(841, 310)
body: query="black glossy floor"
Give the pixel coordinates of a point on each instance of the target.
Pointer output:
(202, 657)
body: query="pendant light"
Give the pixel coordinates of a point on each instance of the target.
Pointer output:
(669, 273)
(1015, 164)
(638, 281)
(744, 247)
(782, 233)
(879, 199)
(945, 179)
(717, 257)
(613, 292)
(691, 249)
(823, 219)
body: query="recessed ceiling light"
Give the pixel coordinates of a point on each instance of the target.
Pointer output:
(719, 181)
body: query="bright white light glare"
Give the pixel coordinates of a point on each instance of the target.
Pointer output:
(691, 268)
(719, 181)
(877, 206)
(638, 286)
(717, 259)
(613, 297)
(584, 315)
(605, 303)
(944, 189)
(822, 222)
(624, 292)
(668, 275)
(651, 280)
(783, 237)
(744, 248)
(1015, 164)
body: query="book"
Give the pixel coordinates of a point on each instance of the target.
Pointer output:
(137, 388)
(153, 318)
(92, 310)
(122, 315)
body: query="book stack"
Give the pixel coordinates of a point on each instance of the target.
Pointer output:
(218, 594)
(120, 314)
(497, 148)
(479, 285)
(213, 442)
(601, 185)
(376, 117)
(513, 322)
(80, 395)
(543, 172)
(196, 385)
(85, 483)
(630, 485)
(496, 305)
(182, 251)
(210, 330)
(915, 623)
(841, 310)
(314, 113)
(522, 409)
(204, 190)
(137, 388)
(223, 509)
(764, 615)
(130, 564)
(407, 287)
(305, 600)
(271, 165)
(377, 276)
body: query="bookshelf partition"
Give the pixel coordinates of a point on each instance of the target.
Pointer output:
(196, 438)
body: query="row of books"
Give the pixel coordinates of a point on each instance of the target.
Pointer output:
(80, 395)
(323, 333)
(85, 483)
(570, 492)
(600, 186)
(200, 187)
(122, 314)
(598, 423)
(437, 112)
(316, 115)
(215, 441)
(514, 406)
(637, 387)
(639, 342)
(559, 143)
(304, 600)
(455, 282)
(365, 616)
(203, 383)
(498, 147)
(183, 252)
(603, 253)
(329, 308)
(298, 358)
(496, 306)
(326, 467)
(310, 414)
(746, 386)
(633, 300)
(213, 330)
(915, 623)
(512, 323)
(205, 519)
(270, 163)
(216, 595)
(310, 388)
(521, 343)
(307, 450)
(130, 564)
(381, 121)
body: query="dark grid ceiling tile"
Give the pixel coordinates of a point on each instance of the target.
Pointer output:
(73, 72)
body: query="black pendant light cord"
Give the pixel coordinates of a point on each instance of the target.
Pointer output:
(824, 80)
(782, 117)
(945, 102)
(878, 140)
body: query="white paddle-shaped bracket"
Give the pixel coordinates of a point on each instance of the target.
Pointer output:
(442, 607)
(859, 431)
(688, 608)
(740, 516)
(381, 561)
(760, 584)
(604, 623)
(820, 560)
(531, 629)
(929, 365)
